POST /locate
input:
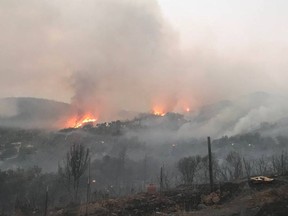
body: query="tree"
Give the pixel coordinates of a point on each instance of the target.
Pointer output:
(75, 165)
(248, 165)
(203, 174)
(279, 163)
(234, 165)
(262, 166)
(188, 167)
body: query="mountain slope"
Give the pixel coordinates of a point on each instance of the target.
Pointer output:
(244, 114)
(31, 112)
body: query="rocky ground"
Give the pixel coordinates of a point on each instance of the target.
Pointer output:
(229, 199)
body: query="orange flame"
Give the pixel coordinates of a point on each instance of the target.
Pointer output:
(77, 122)
(159, 111)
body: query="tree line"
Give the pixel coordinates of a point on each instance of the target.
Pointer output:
(24, 190)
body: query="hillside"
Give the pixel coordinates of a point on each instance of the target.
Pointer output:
(240, 115)
(31, 112)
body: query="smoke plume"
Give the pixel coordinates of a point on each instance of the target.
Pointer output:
(105, 56)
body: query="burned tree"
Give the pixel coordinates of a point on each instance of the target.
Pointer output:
(262, 166)
(75, 165)
(279, 163)
(234, 165)
(203, 174)
(248, 165)
(188, 167)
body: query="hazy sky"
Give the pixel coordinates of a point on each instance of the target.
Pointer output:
(181, 53)
(229, 23)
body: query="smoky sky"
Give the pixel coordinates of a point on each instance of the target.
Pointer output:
(111, 55)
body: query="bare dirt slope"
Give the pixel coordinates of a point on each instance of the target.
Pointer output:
(235, 199)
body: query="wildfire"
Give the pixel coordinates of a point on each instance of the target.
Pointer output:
(158, 111)
(84, 122)
(77, 122)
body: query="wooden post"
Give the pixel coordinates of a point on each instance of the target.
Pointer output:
(145, 170)
(46, 202)
(210, 165)
(88, 188)
(161, 179)
(282, 164)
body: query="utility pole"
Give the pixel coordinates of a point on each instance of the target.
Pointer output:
(88, 187)
(282, 164)
(161, 179)
(46, 201)
(145, 170)
(210, 165)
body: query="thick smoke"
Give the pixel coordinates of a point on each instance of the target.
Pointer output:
(106, 56)
(249, 113)
(132, 62)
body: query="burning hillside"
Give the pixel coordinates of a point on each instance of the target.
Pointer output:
(81, 120)
(159, 110)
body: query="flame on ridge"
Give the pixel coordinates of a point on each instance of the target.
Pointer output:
(158, 111)
(80, 121)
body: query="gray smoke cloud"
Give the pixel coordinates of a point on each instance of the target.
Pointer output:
(132, 60)
(110, 55)
(249, 113)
